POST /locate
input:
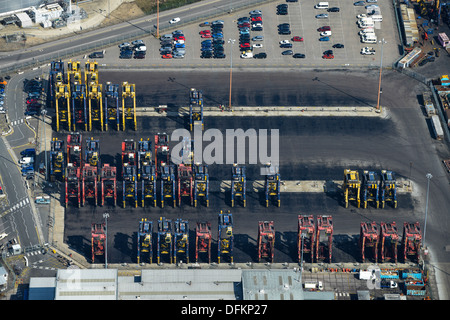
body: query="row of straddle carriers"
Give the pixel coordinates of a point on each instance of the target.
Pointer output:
(374, 188)
(83, 104)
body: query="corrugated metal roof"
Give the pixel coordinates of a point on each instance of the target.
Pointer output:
(193, 275)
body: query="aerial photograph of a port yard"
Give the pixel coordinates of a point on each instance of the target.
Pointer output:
(241, 151)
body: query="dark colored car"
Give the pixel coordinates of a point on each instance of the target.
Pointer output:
(97, 55)
(218, 41)
(139, 55)
(334, 9)
(287, 53)
(324, 28)
(257, 29)
(328, 52)
(219, 55)
(206, 54)
(126, 54)
(338, 45)
(299, 55)
(284, 31)
(286, 45)
(261, 55)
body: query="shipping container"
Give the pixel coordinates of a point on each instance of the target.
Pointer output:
(438, 132)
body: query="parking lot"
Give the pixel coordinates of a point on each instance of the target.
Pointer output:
(303, 23)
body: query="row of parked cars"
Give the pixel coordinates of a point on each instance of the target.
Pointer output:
(27, 162)
(173, 45)
(285, 29)
(136, 48)
(254, 22)
(213, 44)
(33, 102)
(2, 95)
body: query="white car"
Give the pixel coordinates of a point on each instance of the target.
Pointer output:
(360, 16)
(179, 42)
(175, 20)
(257, 45)
(255, 12)
(140, 49)
(2, 110)
(3, 236)
(368, 50)
(137, 42)
(247, 55)
(284, 41)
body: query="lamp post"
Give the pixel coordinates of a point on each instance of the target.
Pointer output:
(429, 176)
(379, 81)
(231, 42)
(106, 216)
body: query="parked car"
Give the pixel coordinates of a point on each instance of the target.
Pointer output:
(297, 39)
(178, 56)
(324, 39)
(204, 24)
(322, 16)
(359, 3)
(299, 55)
(338, 45)
(368, 51)
(328, 56)
(257, 45)
(286, 45)
(206, 54)
(97, 55)
(324, 28)
(333, 9)
(287, 53)
(167, 56)
(261, 55)
(124, 45)
(137, 42)
(219, 55)
(258, 38)
(257, 29)
(255, 12)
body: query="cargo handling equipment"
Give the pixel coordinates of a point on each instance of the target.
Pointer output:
(324, 238)
(411, 241)
(148, 184)
(370, 189)
(196, 109)
(167, 178)
(272, 184)
(89, 184)
(144, 241)
(144, 154)
(129, 106)
(112, 106)
(181, 240)
(306, 236)
(225, 237)
(56, 75)
(369, 238)
(129, 172)
(351, 187)
(98, 240)
(185, 181)
(201, 184)
(164, 239)
(80, 116)
(94, 94)
(238, 184)
(72, 184)
(108, 181)
(162, 150)
(388, 242)
(74, 149)
(388, 189)
(203, 239)
(57, 163)
(62, 106)
(266, 240)
(92, 153)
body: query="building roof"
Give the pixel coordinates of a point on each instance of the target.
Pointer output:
(86, 284)
(8, 5)
(272, 285)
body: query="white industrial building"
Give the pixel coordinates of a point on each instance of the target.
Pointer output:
(170, 284)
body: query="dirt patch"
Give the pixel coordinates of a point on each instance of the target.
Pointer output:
(126, 11)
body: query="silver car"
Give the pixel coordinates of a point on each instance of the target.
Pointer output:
(178, 56)
(322, 16)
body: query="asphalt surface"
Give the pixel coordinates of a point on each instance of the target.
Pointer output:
(310, 148)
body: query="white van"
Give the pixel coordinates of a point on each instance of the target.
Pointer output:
(369, 38)
(322, 5)
(365, 23)
(366, 31)
(377, 17)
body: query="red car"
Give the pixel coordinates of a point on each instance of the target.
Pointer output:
(167, 56)
(328, 56)
(205, 32)
(297, 38)
(244, 25)
(324, 28)
(180, 38)
(257, 19)
(207, 35)
(245, 45)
